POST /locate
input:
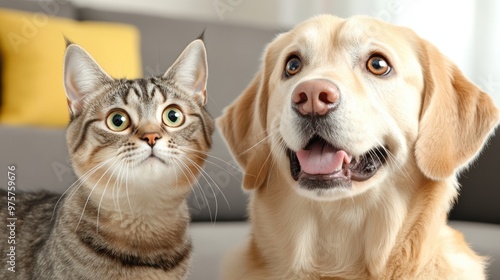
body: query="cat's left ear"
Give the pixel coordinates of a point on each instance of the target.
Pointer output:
(190, 70)
(82, 77)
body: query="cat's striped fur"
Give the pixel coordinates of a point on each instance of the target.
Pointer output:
(137, 147)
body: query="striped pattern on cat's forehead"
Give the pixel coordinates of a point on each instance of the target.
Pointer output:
(143, 97)
(149, 90)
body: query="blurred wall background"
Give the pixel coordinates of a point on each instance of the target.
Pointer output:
(467, 31)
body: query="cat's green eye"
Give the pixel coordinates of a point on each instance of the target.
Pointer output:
(173, 116)
(118, 121)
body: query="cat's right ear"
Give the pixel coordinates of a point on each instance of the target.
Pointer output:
(190, 70)
(82, 76)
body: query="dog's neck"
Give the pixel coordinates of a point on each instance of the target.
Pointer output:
(351, 238)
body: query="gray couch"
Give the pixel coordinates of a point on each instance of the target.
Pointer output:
(219, 212)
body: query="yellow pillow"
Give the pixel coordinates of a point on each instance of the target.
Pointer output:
(32, 51)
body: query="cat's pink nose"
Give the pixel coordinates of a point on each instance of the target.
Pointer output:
(151, 138)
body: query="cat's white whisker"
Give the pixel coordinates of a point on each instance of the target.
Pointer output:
(193, 189)
(126, 186)
(208, 154)
(204, 174)
(79, 182)
(91, 192)
(184, 149)
(178, 161)
(103, 194)
(117, 192)
(124, 181)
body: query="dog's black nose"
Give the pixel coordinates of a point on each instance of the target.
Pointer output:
(315, 97)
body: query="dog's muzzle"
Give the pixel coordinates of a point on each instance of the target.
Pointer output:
(320, 164)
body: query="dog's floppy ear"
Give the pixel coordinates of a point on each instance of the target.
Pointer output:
(456, 117)
(243, 125)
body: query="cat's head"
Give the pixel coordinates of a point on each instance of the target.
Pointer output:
(146, 132)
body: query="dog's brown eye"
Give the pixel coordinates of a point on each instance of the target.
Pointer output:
(293, 66)
(378, 66)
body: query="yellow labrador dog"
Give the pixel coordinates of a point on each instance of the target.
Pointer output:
(351, 136)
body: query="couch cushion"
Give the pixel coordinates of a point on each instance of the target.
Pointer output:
(32, 50)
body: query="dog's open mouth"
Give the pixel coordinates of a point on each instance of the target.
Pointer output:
(321, 165)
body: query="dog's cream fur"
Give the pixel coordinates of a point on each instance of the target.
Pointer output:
(433, 122)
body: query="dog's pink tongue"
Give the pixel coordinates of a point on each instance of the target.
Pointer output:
(321, 159)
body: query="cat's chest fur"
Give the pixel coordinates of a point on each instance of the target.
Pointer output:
(119, 246)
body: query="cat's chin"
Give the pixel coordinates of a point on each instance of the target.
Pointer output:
(158, 171)
(153, 161)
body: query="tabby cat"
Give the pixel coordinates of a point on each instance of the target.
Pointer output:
(137, 147)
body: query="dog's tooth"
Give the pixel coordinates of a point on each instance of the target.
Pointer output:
(338, 168)
(347, 159)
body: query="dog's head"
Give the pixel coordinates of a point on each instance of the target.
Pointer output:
(338, 105)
